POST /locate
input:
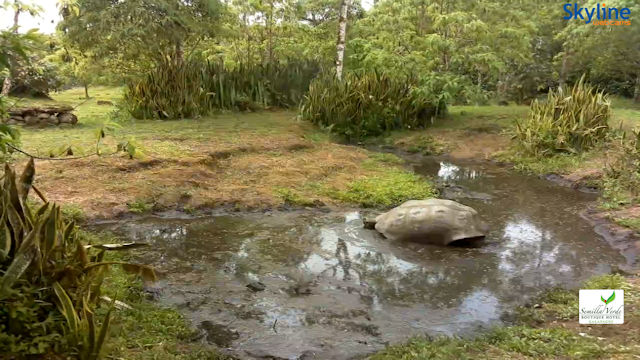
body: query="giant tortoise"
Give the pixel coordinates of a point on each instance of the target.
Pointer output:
(432, 221)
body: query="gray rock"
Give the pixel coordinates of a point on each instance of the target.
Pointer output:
(432, 221)
(67, 118)
(31, 120)
(256, 286)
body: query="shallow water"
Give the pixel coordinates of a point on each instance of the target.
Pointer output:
(335, 290)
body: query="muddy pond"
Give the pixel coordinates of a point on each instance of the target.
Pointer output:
(322, 287)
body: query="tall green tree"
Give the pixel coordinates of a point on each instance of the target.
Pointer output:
(131, 34)
(609, 55)
(18, 7)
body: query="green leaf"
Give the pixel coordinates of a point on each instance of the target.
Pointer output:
(611, 298)
(66, 308)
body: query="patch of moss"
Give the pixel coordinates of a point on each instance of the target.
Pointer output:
(139, 206)
(391, 187)
(293, 197)
(560, 164)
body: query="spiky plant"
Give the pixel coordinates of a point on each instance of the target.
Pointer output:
(369, 104)
(566, 122)
(43, 261)
(194, 88)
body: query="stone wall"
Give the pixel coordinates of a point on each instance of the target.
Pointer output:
(41, 116)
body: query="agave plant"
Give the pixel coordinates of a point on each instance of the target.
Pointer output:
(566, 122)
(43, 251)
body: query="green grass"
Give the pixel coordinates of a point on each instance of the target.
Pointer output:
(391, 188)
(140, 206)
(536, 335)
(561, 163)
(632, 223)
(167, 136)
(293, 197)
(147, 330)
(489, 118)
(625, 112)
(501, 343)
(73, 212)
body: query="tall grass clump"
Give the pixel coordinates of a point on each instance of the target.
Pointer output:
(169, 91)
(370, 103)
(566, 122)
(50, 278)
(196, 87)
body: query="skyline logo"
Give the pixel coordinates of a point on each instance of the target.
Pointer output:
(599, 15)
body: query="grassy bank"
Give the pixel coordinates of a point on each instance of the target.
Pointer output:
(244, 160)
(548, 329)
(485, 132)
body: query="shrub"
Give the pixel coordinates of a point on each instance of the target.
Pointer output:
(565, 123)
(622, 175)
(193, 88)
(369, 104)
(50, 280)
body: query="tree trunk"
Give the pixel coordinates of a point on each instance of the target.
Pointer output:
(86, 90)
(270, 34)
(6, 85)
(342, 35)
(179, 53)
(636, 90)
(563, 71)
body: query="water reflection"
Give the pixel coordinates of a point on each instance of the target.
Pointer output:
(449, 171)
(348, 279)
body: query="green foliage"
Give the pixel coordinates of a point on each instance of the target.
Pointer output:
(509, 342)
(292, 197)
(569, 123)
(171, 90)
(622, 176)
(43, 260)
(140, 206)
(393, 187)
(148, 331)
(372, 103)
(609, 281)
(129, 36)
(632, 223)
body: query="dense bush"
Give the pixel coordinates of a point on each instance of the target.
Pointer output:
(172, 91)
(565, 122)
(50, 280)
(371, 103)
(622, 175)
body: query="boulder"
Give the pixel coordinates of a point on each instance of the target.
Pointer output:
(67, 118)
(31, 120)
(432, 221)
(41, 116)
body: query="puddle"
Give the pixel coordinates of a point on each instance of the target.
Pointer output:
(333, 290)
